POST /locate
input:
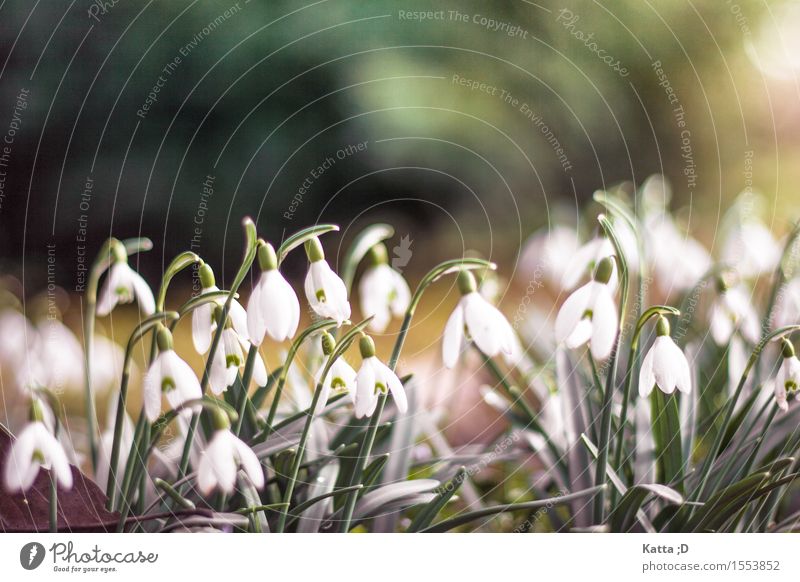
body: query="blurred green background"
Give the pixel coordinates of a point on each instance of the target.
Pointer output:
(258, 95)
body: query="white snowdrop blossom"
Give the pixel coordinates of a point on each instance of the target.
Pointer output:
(751, 249)
(341, 376)
(169, 375)
(34, 448)
(123, 285)
(204, 322)
(732, 312)
(273, 307)
(223, 456)
(547, 254)
(325, 290)
(787, 380)
(585, 260)
(476, 319)
(383, 291)
(373, 379)
(590, 315)
(787, 307)
(679, 261)
(665, 366)
(231, 354)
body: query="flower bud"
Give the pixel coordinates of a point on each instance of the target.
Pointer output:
(366, 346)
(163, 338)
(328, 343)
(219, 418)
(118, 252)
(378, 255)
(314, 250)
(206, 274)
(662, 326)
(604, 270)
(787, 349)
(466, 282)
(267, 259)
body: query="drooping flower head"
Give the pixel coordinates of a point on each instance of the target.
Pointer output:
(204, 322)
(168, 375)
(787, 380)
(34, 448)
(665, 366)
(383, 291)
(375, 378)
(341, 375)
(590, 315)
(273, 307)
(223, 456)
(123, 285)
(732, 312)
(230, 355)
(475, 319)
(325, 290)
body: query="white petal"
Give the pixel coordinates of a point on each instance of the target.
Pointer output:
(453, 336)
(605, 325)
(152, 389)
(147, 304)
(201, 328)
(365, 387)
(647, 379)
(250, 463)
(573, 310)
(108, 298)
(239, 320)
(664, 367)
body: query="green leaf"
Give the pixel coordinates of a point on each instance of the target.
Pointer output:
(373, 471)
(465, 518)
(429, 512)
(666, 424)
(299, 238)
(624, 514)
(730, 498)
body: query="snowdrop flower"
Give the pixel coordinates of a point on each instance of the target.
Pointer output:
(732, 312)
(34, 448)
(585, 259)
(223, 457)
(341, 375)
(482, 321)
(203, 321)
(547, 254)
(787, 308)
(787, 380)
(383, 291)
(325, 291)
(231, 355)
(590, 315)
(679, 261)
(665, 366)
(168, 375)
(375, 378)
(751, 248)
(123, 285)
(273, 307)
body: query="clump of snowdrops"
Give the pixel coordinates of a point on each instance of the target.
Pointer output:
(659, 398)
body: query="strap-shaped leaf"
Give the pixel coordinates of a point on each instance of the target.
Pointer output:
(665, 419)
(428, 513)
(624, 514)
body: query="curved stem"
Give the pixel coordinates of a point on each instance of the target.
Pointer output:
(433, 275)
(708, 463)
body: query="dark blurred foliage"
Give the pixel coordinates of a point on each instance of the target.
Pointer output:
(280, 86)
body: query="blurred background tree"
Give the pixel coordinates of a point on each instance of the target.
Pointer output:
(258, 95)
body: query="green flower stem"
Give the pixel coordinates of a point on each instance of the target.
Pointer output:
(445, 268)
(137, 334)
(250, 249)
(341, 347)
(317, 327)
(183, 260)
(708, 463)
(53, 503)
(100, 265)
(252, 354)
(127, 479)
(629, 374)
(517, 398)
(598, 510)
